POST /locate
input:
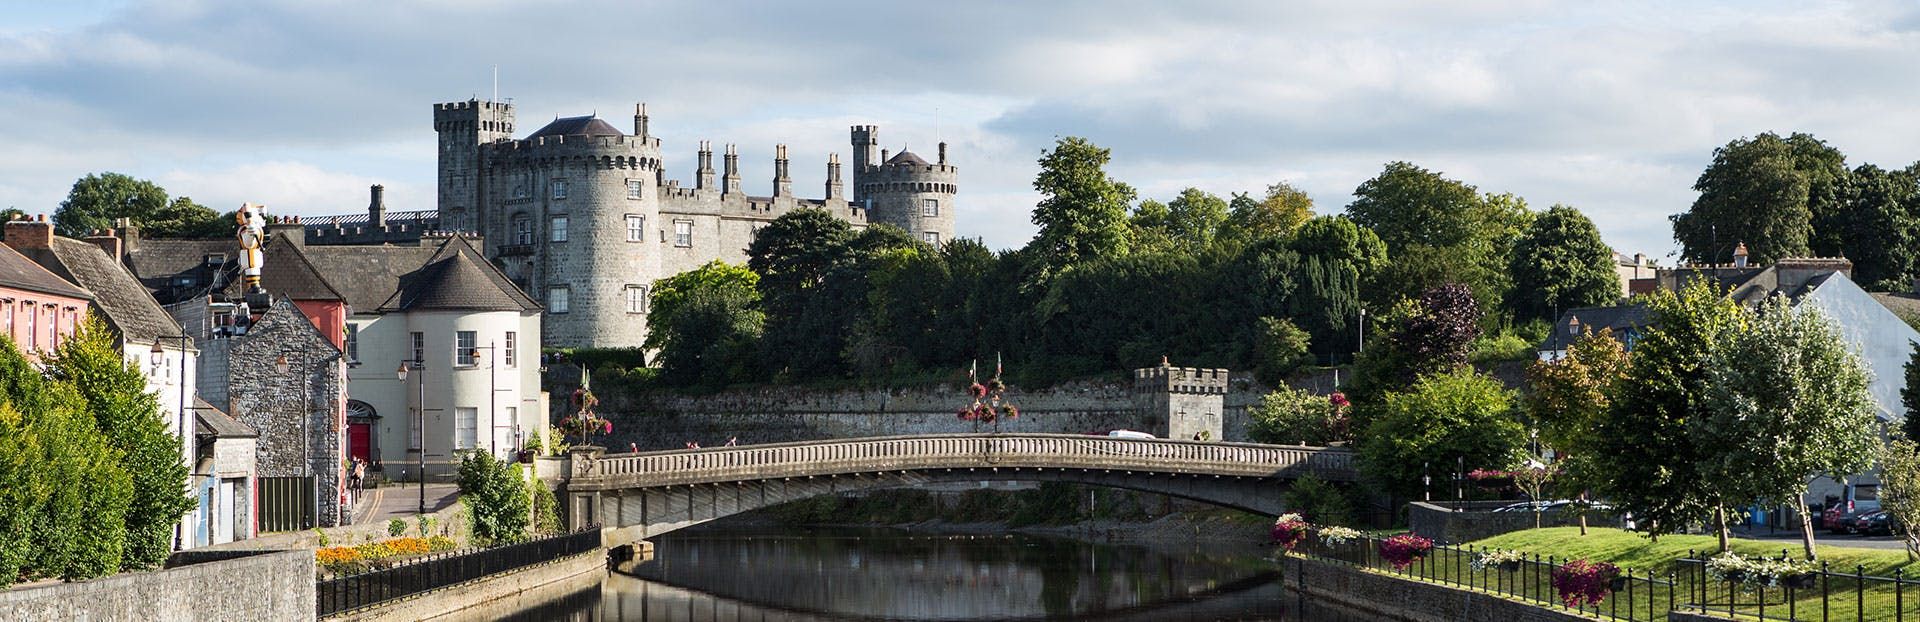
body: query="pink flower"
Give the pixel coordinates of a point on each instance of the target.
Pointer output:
(978, 390)
(1338, 399)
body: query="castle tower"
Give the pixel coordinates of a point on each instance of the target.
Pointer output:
(836, 191)
(731, 182)
(782, 184)
(866, 139)
(703, 177)
(1185, 403)
(906, 191)
(463, 127)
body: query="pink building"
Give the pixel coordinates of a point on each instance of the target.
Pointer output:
(38, 310)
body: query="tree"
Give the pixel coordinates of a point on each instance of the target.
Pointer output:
(128, 417)
(794, 256)
(1289, 416)
(1875, 226)
(499, 507)
(1652, 465)
(1788, 397)
(1456, 419)
(97, 200)
(1424, 337)
(1438, 230)
(1195, 217)
(671, 294)
(1560, 263)
(1900, 487)
(1763, 192)
(1082, 212)
(710, 333)
(1910, 396)
(72, 494)
(1568, 398)
(1277, 215)
(1282, 349)
(1151, 227)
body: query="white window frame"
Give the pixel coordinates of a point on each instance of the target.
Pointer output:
(559, 299)
(511, 355)
(466, 427)
(559, 189)
(465, 344)
(557, 229)
(636, 299)
(635, 189)
(522, 229)
(683, 233)
(636, 228)
(419, 342)
(930, 207)
(930, 237)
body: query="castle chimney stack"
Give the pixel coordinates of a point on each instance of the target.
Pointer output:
(703, 176)
(943, 153)
(836, 191)
(640, 120)
(730, 183)
(377, 208)
(782, 185)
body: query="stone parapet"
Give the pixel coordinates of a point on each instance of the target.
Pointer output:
(1194, 380)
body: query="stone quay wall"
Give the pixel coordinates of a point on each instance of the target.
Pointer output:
(1392, 598)
(267, 587)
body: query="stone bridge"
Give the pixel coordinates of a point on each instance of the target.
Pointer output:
(638, 496)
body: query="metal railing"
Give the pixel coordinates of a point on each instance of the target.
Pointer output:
(335, 594)
(719, 464)
(1634, 595)
(1826, 593)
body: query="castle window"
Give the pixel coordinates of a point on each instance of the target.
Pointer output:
(636, 299)
(559, 189)
(636, 228)
(633, 189)
(931, 237)
(522, 229)
(930, 207)
(557, 299)
(683, 233)
(559, 229)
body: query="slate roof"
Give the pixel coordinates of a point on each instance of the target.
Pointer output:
(1903, 305)
(368, 275)
(20, 272)
(421, 218)
(213, 422)
(287, 271)
(176, 270)
(1619, 318)
(457, 278)
(906, 158)
(129, 309)
(578, 126)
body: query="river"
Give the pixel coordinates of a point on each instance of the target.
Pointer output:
(883, 574)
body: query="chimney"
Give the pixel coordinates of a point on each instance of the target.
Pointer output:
(105, 239)
(943, 153)
(782, 184)
(288, 228)
(26, 234)
(376, 209)
(640, 121)
(1740, 255)
(128, 233)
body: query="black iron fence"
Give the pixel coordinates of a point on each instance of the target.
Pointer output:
(286, 504)
(1823, 593)
(1632, 595)
(345, 593)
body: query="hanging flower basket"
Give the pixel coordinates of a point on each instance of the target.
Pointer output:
(1506, 560)
(1290, 530)
(1581, 582)
(1405, 549)
(1800, 581)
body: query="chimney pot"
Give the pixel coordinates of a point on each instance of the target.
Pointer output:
(30, 234)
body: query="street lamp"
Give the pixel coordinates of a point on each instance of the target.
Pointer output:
(420, 423)
(493, 396)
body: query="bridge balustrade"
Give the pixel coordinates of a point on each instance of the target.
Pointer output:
(970, 451)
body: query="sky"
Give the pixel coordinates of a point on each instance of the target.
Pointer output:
(1610, 107)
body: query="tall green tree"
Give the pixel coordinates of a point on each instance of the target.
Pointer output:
(1560, 263)
(1899, 460)
(1445, 422)
(1653, 465)
(795, 256)
(1764, 192)
(707, 324)
(1337, 258)
(1194, 218)
(1438, 231)
(128, 418)
(77, 529)
(1082, 212)
(1276, 215)
(96, 200)
(1876, 227)
(1910, 395)
(1788, 397)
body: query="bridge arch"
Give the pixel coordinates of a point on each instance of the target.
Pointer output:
(647, 494)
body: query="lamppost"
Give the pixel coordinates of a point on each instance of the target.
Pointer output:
(420, 423)
(280, 364)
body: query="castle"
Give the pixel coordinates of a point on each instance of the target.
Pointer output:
(583, 217)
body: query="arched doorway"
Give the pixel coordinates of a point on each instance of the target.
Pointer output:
(360, 441)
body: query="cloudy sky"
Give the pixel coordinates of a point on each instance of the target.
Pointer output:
(1612, 107)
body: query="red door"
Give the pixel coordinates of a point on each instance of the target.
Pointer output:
(359, 445)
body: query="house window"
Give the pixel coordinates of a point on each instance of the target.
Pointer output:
(557, 299)
(559, 189)
(633, 189)
(33, 324)
(464, 349)
(636, 228)
(559, 229)
(522, 229)
(931, 237)
(512, 354)
(353, 343)
(419, 341)
(683, 233)
(466, 427)
(636, 299)
(930, 207)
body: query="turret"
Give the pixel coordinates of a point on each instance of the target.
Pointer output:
(1184, 403)
(782, 184)
(463, 127)
(377, 208)
(866, 138)
(703, 176)
(836, 191)
(731, 182)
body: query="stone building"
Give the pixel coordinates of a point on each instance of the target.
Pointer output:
(1188, 402)
(582, 215)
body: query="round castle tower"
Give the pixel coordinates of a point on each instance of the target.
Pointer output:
(568, 213)
(904, 190)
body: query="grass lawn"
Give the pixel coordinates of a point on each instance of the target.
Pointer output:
(1640, 555)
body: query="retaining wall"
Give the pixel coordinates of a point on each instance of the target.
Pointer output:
(1409, 601)
(266, 587)
(487, 598)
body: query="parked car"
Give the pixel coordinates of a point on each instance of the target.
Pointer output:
(1848, 521)
(1877, 523)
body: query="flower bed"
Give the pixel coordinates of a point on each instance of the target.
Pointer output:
(349, 559)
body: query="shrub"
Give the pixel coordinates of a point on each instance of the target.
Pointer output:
(495, 493)
(1290, 416)
(441, 543)
(1319, 500)
(396, 527)
(546, 510)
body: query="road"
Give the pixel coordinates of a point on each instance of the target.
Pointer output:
(1791, 538)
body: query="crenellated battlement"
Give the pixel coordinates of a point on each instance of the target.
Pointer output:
(1192, 380)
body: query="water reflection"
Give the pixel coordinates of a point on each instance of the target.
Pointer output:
(888, 575)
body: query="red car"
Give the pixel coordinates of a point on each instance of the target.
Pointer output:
(1833, 518)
